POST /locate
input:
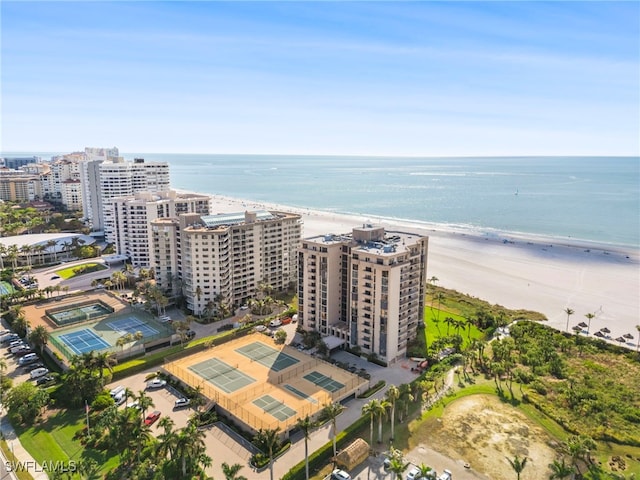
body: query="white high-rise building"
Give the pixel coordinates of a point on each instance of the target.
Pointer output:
(90, 179)
(226, 256)
(365, 288)
(133, 216)
(124, 179)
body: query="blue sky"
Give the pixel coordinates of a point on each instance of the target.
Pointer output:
(371, 78)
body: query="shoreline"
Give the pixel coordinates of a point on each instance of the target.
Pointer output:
(517, 271)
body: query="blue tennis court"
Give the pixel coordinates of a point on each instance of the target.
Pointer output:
(82, 341)
(132, 325)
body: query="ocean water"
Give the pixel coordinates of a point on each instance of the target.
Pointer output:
(588, 198)
(583, 198)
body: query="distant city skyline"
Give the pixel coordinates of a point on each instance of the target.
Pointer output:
(323, 78)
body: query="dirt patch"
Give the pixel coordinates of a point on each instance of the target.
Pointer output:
(484, 432)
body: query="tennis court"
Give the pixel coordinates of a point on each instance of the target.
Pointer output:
(222, 375)
(83, 341)
(6, 288)
(274, 407)
(276, 393)
(265, 355)
(78, 313)
(323, 381)
(299, 393)
(132, 325)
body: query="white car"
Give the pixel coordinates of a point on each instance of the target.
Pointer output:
(38, 372)
(156, 383)
(182, 403)
(275, 323)
(446, 475)
(338, 474)
(260, 328)
(413, 473)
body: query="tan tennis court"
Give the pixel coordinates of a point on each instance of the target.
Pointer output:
(264, 385)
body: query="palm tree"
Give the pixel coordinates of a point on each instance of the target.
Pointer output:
(381, 407)
(426, 471)
(370, 409)
(39, 336)
(231, 472)
(144, 402)
(268, 440)
(305, 425)
(190, 451)
(589, 316)
(331, 411)
(559, 470)
(392, 395)
(638, 344)
(518, 464)
(569, 312)
(105, 360)
(398, 465)
(449, 321)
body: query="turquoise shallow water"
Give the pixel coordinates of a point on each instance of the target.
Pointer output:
(587, 198)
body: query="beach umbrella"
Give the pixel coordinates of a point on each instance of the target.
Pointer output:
(583, 325)
(628, 335)
(620, 339)
(576, 328)
(599, 334)
(605, 330)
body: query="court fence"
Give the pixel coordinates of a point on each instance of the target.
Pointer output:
(77, 314)
(240, 404)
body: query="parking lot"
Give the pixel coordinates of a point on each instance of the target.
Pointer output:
(163, 399)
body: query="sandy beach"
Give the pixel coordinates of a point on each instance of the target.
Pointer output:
(520, 272)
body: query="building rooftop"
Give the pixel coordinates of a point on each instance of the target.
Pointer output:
(227, 219)
(380, 243)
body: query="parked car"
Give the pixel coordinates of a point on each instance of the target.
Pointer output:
(32, 366)
(38, 372)
(446, 475)
(11, 337)
(44, 380)
(244, 307)
(28, 358)
(413, 473)
(276, 322)
(21, 350)
(338, 474)
(260, 328)
(15, 343)
(55, 277)
(190, 334)
(152, 418)
(286, 321)
(156, 383)
(182, 403)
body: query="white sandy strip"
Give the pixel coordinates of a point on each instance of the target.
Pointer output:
(536, 273)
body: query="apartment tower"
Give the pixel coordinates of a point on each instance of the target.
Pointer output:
(365, 288)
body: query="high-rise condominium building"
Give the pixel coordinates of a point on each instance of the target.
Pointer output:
(90, 179)
(124, 179)
(226, 256)
(133, 216)
(366, 288)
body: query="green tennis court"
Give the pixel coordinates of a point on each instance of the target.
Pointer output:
(265, 355)
(274, 407)
(299, 393)
(222, 375)
(323, 381)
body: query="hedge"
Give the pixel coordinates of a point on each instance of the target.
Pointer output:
(322, 456)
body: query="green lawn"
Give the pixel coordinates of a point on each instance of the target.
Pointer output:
(70, 272)
(52, 440)
(436, 327)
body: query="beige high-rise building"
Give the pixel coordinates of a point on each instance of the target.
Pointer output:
(226, 257)
(132, 215)
(365, 288)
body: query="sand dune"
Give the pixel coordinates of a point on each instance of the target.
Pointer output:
(517, 271)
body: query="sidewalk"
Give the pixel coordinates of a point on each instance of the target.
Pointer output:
(18, 450)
